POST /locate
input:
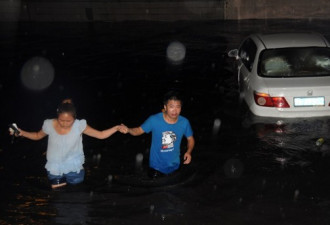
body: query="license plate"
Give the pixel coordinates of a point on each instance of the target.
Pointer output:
(308, 101)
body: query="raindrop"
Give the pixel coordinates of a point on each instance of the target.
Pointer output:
(98, 157)
(240, 200)
(37, 73)
(176, 52)
(91, 194)
(233, 169)
(139, 157)
(163, 217)
(152, 208)
(138, 161)
(216, 126)
(110, 178)
(296, 194)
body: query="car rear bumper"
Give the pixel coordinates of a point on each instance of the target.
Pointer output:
(290, 113)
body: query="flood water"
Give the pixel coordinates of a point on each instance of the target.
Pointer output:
(244, 171)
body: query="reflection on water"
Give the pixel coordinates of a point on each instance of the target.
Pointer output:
(23, 204)
(242, 172)
(294, 142)
(72, 207)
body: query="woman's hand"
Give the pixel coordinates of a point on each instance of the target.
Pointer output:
(14, 130)
(123, 129)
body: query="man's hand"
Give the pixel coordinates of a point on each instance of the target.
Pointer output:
(187, 158)
(123, 129)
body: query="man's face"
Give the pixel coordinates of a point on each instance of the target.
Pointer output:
(173, 109)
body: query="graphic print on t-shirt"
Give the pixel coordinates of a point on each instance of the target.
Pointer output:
(168, 139)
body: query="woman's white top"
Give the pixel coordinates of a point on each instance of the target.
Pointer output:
(64, 151)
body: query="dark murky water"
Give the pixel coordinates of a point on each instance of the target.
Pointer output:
(242, 172)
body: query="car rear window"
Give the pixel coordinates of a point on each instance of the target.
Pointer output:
(294, 62)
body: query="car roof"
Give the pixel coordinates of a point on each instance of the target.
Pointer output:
(292, 40)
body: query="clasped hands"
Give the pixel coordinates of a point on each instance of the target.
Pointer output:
(123, 129)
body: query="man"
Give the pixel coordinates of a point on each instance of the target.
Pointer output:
(167, 127)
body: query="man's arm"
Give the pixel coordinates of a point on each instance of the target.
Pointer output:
(190, 147)
(135, 131)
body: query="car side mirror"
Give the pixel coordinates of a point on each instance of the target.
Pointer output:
(233, 53)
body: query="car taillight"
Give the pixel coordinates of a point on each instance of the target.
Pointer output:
(266, 100)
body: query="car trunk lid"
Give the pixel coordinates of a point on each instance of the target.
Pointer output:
(296, 90)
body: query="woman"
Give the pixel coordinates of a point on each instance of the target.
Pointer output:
(65, 156)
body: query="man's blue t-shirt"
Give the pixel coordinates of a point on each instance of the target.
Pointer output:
(166, 141)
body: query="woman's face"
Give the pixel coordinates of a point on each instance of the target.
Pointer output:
(65, 120)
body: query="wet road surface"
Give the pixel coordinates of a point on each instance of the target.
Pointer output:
(243, 172)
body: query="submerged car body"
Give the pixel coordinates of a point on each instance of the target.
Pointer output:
(285, 75)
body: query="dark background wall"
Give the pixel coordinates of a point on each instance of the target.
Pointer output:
(160, 10)
(274, 9)
(110, 10)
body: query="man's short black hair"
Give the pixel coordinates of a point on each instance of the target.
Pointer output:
(172, 95)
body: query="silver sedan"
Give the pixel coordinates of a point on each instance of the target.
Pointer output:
(285, 75)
